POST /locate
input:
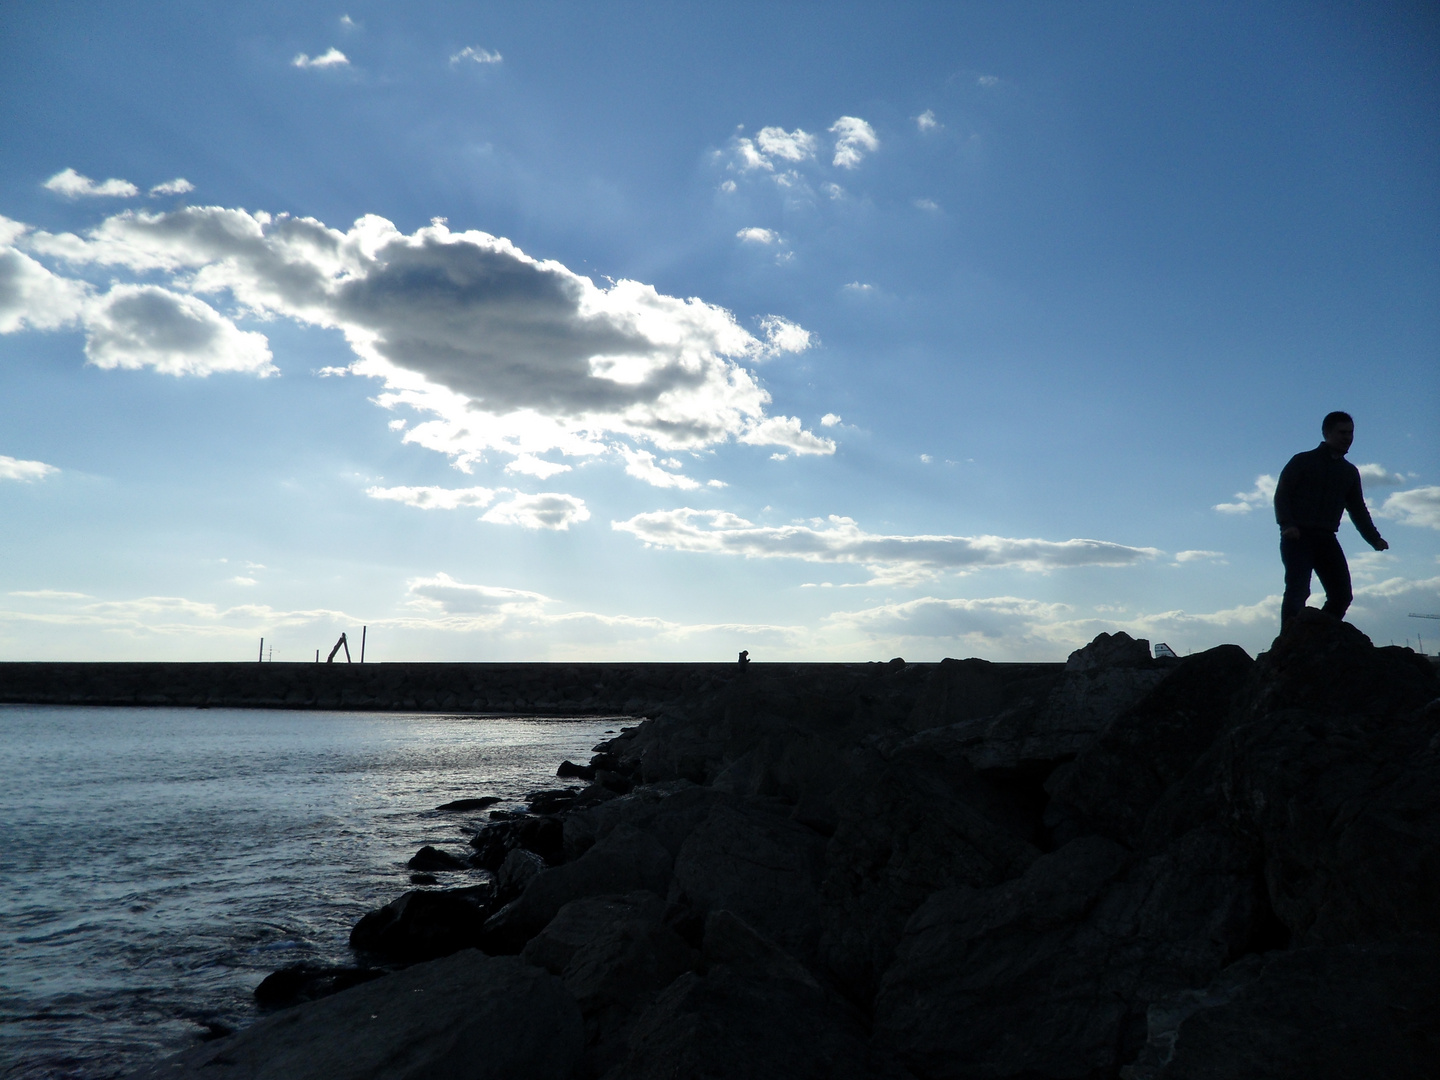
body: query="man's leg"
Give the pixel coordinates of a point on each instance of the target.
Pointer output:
(1295, 554)
(1333, 571)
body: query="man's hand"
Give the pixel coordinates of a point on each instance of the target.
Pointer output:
(1290, 532)
(1381, 545)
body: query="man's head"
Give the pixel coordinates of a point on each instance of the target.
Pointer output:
(1338, 430)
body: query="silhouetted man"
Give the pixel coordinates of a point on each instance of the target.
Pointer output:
(1315, 488)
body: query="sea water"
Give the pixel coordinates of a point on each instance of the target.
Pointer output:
(156, 864)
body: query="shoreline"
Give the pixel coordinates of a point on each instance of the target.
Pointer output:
(1114, 868)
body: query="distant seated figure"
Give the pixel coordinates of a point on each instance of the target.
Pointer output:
(744, 657)
(1315, 488)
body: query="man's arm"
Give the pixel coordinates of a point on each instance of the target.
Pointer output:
(1284, 489)
(1360, 515)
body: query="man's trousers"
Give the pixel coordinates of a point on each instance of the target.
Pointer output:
(1317, 551)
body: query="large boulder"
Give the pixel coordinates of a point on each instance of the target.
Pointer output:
(927, 822)
(1342, 1012)
(1099, 682)
(1120, 775)
(758, 864)
(1051, 974)
(467, 1016)
(626, 860)
(614, 954)
(424, 924)
(755, 1013)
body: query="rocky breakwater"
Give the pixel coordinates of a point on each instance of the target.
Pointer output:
(1206, 868)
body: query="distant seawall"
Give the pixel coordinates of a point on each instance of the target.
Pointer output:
(544, 689)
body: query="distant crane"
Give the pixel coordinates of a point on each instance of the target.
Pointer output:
(1416, 615)
(338, 646)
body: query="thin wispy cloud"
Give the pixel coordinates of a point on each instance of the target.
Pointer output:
(72, 185)
(890, 558)
(435, 498)
(926, 121)
(331, 58)
(476, 55)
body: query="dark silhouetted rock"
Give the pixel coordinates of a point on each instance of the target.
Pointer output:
(308, 982)
(1051, 974)
(959, 690)
(927, 822)
(1344, 1012)
(759, 865)
(568, 769)
(750, 1017)
(519, 867)
(468, 1015)
(469, 804)
(430, 859)
(424, 924)
(545, 836)
(614, 954)
(625, 861)
(550, 802)
(1118, 776)
(668, 812)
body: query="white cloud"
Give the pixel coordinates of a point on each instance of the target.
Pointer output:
(853, 139)
(926, 458)
(991, 618)
(830, 419)
(1197, 555)
(72, 185)
(347, 22)
(756, 235)
(435, 498)
(504, 352)
(1418, 506)
(782, 335)
(749, 158)
(988, 80)
(30, 295)
(641, 465)
(178, 186)
(794, 145)
(136, 326)
(547, 510)
(889, 558)
(332, 57)
(926, 121)
(835, 191)
(444, 593)
(727, 186)
(530, 465)
(477, 55)
(247, 581)
(1261, 494)
(716, 484)
(1374, 476)
(25, 471)
(930, 206)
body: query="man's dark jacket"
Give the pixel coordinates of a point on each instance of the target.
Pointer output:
(1316, 487)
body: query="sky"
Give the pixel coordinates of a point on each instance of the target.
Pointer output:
(830, 332)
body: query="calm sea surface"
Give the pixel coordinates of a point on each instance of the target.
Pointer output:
(156, 864)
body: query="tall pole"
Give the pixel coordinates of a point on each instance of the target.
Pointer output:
(362, 643)
(261, 658)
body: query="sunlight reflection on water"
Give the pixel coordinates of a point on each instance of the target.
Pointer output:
(156, 864)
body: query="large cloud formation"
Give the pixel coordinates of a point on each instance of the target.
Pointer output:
(499, 351)
(889, 558)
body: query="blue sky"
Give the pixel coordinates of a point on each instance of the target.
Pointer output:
(832, 332)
